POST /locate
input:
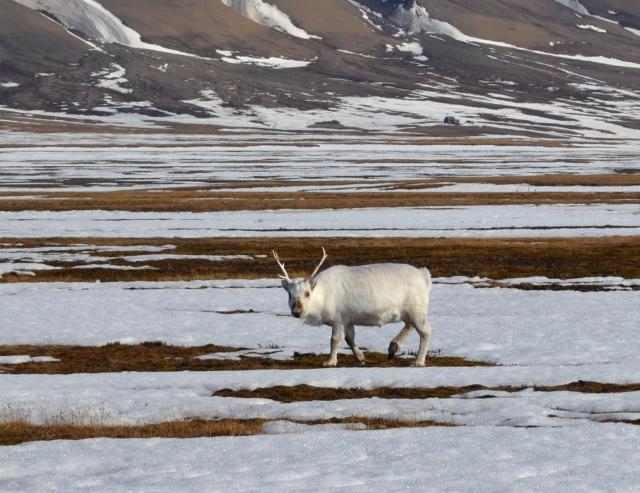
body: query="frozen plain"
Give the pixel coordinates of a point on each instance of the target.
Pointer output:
(31, 163)
(539, 338)
(474, 458)
(486, 459)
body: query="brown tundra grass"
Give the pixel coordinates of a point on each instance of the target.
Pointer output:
(486, 257)
(157, 356)
(16, 432)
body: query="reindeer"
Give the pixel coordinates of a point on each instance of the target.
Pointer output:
(371, 295)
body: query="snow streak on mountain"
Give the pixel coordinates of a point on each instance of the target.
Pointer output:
(268, 15)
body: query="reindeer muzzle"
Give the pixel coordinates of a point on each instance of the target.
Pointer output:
(296, 310)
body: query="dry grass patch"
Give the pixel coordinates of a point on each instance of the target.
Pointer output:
(192, 200)
(157, 356)
(302, 393)
(16, 432)
(561, 258)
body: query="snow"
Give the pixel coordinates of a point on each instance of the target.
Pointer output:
(430, 460)
(114, 267)
(267, 15)
(416, 19)
(577, 7)
(9, 85)
(38, 162)
(574, 5)
(366, 14)
(271, 62)
(412, 48)
(633, 31)
(112, 78)
(22, 359)
(94, 21)
(565, 118)
(23, 268)
(478, 323)
(592, 28)
(540, 338)
(455, 221)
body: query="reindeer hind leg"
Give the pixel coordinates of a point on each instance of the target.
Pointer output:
(424, 329)
(394, 345)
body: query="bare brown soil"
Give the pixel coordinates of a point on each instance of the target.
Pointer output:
(561, 258)
(157, 356)
(301, 393)
(212, 201)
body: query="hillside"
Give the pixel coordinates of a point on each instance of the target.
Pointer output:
(505, 67)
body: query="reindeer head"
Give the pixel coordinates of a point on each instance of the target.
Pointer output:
(300, 290)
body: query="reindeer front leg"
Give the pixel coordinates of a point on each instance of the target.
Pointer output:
(337, 334)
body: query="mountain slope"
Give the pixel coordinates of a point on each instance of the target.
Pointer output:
(503, 66)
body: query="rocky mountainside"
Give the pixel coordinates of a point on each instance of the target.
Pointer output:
(540, 67)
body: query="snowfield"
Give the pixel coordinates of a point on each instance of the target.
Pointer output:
(506, 436)
(30, 163)
(473, 221)
(477, 323)
(432, 460)
(540, 338)
(508, 424)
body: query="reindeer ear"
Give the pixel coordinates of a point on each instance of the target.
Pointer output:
(312, 282)
(285, 284)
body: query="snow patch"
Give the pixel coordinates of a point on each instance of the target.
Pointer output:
(574, 5)
(112, 77)
(23, 268)
(590, 458)
(592, 28)
(416, 19)
(267, 15)
(270, 62)
(413, 48)
(9, 85)
(633, 31)
(94, 21)
(22, 359)
(366, 12)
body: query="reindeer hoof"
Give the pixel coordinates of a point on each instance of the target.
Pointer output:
(329, 363)
(418, 364)
(393, 349)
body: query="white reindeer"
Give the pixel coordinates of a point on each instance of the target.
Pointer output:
(372, 295)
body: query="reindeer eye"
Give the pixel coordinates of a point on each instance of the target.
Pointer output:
(307, 294)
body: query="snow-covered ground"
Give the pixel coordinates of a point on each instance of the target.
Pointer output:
(473, 221)
(463, 460)
(537, 338)
(479, 323)
(540, 338)
(108, 162)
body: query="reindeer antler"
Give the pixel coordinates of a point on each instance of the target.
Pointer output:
(286, 276)
(324, 257)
